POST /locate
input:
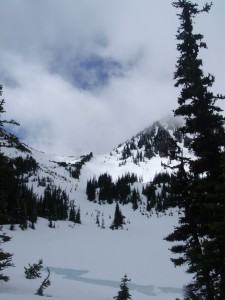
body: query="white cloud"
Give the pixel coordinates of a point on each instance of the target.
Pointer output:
(58, 116)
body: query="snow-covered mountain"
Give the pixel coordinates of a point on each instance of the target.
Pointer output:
(91, 259)
(143, 155)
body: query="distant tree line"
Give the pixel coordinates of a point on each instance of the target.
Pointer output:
(19, 204)
(104, 190)
(157, 192)
(53, 204)
(17, 201)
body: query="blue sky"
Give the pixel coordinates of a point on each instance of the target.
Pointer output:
(83, 75)
(88, 73)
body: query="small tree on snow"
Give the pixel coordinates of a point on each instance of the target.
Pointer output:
(123, 293)
(97, 219)
(118, 220)
(34, 271)
(45, 283)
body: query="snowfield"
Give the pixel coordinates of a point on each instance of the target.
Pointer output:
(88, 262)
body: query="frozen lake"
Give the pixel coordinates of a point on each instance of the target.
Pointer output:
(86, 260)
(80, 275)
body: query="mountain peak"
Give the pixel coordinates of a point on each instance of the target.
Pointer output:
(157, 139)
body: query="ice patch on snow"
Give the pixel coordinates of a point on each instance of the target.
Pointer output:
(149, 290)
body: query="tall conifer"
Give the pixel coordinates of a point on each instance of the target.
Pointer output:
(118, 220)
(199, 184)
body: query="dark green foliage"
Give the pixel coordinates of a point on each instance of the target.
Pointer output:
(5, 258)
(106, 188)
(24, 166)
(17, 202)
(54, 204)
(72, 213)
(34, 271)
(135, 198)
(123, 293)
(44, 285)
(158, 193)
(150, 192)
(91, 189)
(161, 178)
(26, 208)
(110, 191)
(8, 190)
(190, 293)
(126, 152)
(123, 187)
(163, 142)
(77, 217)
(198, 185)
(118, 220)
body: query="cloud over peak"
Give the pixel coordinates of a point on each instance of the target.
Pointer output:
(84, 75)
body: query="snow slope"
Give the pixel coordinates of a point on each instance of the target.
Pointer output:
(86, 260)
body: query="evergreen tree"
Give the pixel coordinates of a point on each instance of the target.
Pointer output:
(45, 283)
(90, 190)
(198, 185)
(97, 220)
(2, 111)
(17, 202)
(118, 220)
(8, 184)
(135, 197)
(124, 293)
(106, 188)
(77, 217)
(150, 192)
(34, 271)
(54, 205)
(23, 215)
(8, 192)
(32, 209)
(72, 212)
(5, 258)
